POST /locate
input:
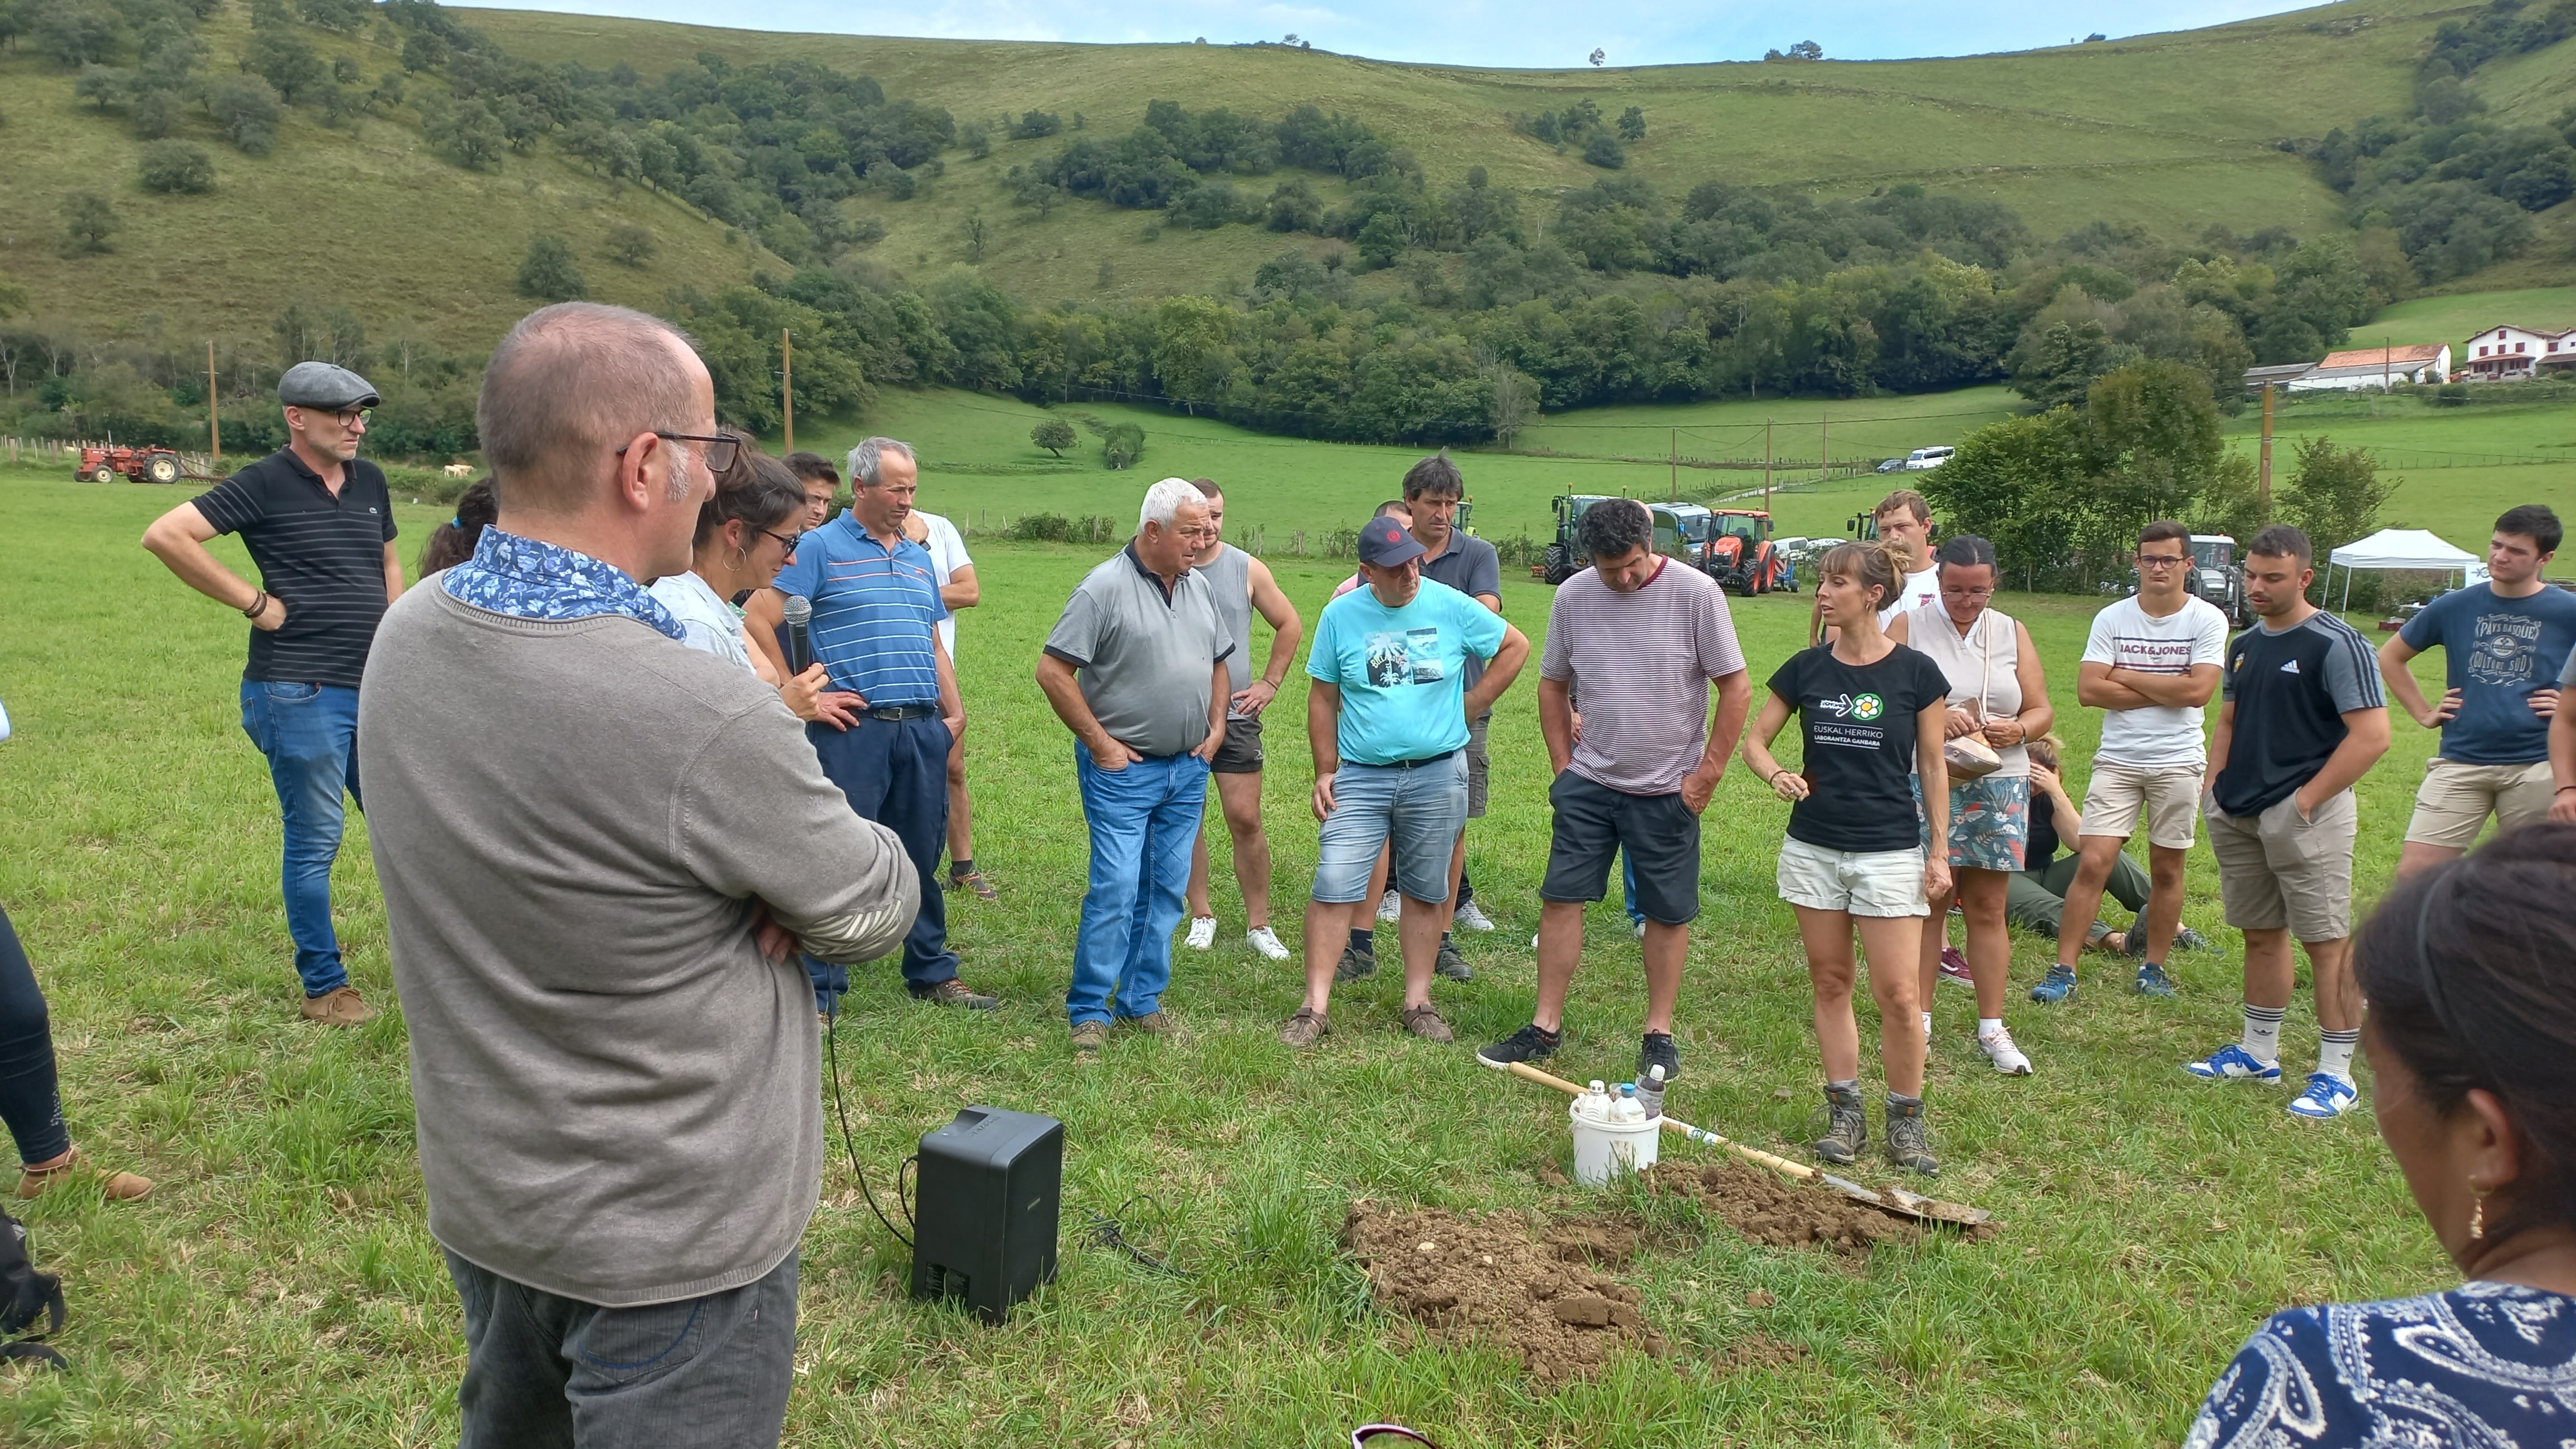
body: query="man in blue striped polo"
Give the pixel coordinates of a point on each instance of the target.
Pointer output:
(883, 731)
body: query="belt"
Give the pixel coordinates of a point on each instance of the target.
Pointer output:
(900, 711)
(1416, 764)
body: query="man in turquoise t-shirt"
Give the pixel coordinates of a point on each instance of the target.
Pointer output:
(1387, 719)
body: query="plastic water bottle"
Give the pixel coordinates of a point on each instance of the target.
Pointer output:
(1650, 1092)
(1629, 1110)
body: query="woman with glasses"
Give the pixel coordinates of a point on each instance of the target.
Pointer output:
(1997, 696)
(746, 534)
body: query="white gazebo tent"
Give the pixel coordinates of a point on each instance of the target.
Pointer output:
(2402, 548)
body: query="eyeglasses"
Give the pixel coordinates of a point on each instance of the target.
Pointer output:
(720, 451)
(2162, 560)
(1964, 592)
(789, 539)
(353, 417)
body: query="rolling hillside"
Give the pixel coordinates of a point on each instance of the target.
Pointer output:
(2172, 133)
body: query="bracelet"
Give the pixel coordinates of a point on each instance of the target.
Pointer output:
(2563, 789)
(1785, 770)
(258, 606)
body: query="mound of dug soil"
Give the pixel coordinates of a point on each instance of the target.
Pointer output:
(1770, 1209)
(1494, 1279)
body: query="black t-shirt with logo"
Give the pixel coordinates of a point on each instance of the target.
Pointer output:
(1858, 723)
(323, 555)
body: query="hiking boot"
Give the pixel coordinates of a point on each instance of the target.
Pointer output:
(1472, 917)
(1152, 1023)
(1266, 941)
(1304, 1029)
(1529, 1044)
(1846, 1127)
(2152, 981)
(2008, 1058)
(339, 1006)
(1424, 1021)
(114, 1186)
(1909, 1139)
(1202, 934)
(953, 992)
(1658, 1051)
(2057, 986)
(1357, 961)
(1088, 1038)
(1450, 964)
(976, 881)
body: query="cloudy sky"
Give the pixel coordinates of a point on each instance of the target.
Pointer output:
(1481, 32)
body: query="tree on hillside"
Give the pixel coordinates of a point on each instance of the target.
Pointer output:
(548, 273)
(2019, 483)
(181, 166)
(1632, 124)
(247, 110)
(347, 17)
(630, 245)
(1121, 445)
(1055, 435)
(77, 35)
(2061, 368)
(104, 85)
(2152, 440)
(285, 61)
(469, 133)
(2335, 494)
(87, 221)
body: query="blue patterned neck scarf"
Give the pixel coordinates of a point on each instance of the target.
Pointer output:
(526, 579)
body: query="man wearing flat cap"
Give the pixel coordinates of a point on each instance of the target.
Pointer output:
(319, 523)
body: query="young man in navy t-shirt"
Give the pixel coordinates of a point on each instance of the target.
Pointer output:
(2303, 719)
(2504, 643)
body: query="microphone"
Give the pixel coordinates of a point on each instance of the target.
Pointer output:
(799, 640)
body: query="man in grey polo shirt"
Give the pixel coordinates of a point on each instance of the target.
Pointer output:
(1434, 491)
(1136, 668)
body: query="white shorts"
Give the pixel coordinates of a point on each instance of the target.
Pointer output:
(1862, 882)
(2119, 794)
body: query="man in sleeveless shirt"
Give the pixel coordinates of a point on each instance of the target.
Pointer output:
(1243, 585)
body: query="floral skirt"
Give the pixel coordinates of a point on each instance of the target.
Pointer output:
(1989, 821)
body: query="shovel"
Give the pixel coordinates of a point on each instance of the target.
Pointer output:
(1894, 1200)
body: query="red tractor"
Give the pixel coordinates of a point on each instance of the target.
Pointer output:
(1741, 555)
(143, 465)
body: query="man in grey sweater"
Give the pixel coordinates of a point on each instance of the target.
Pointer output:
(600, 850)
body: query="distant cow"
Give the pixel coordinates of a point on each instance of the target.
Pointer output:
(458, 470)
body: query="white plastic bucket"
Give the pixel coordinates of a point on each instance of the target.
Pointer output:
(1603, 1150)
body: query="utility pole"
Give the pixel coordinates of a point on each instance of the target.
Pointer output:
(214, 430)
(1825, 447)
(1766, 465)
(2263, 470)
(2387, 367)
(787, 388)
(1677, 465)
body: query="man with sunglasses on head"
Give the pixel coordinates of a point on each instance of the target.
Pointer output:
(319, 524)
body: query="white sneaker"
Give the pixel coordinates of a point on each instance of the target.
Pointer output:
(1472, 917)
(1999, 1049)
(1202, 933)
(1266, 941)
(1927, 1028)
(1390, 907)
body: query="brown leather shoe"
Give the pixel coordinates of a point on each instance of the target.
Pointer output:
(341, 1006)
(1088, 1038)
(1304, 1029)
(1424, 1021)
(953, 992)
(1154, 1023)
(114, 1186)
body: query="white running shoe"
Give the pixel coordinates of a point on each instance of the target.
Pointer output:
(1202, 933)
(1927, 1028)
(1266, 941)
(1999, 1049)
(1390, 907)
(1472, 917)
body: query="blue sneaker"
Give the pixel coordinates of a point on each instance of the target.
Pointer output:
(2234, 1062)
(2059, 985)
(2327, 1096)
(2152, 981)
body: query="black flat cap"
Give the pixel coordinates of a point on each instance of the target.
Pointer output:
(321, 385)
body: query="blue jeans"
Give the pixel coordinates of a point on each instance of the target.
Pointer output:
(1144, 822)
(1628, 889)
(895, 772)
(1420, 809)
(310, 734)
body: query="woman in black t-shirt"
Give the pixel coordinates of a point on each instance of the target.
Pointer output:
(1870, 714)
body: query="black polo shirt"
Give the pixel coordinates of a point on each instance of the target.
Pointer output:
(323, 555)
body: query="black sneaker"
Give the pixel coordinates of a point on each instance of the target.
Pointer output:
(1450, 964)
(1357, 961)
(1909, 1139)
(1846, 1127)
(1529, 1044)
(1658, 1051)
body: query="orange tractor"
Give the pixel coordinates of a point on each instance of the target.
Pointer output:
(143, 465)
(1741, 555)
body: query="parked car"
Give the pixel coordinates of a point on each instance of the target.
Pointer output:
(1890, 465)
(1922, 458)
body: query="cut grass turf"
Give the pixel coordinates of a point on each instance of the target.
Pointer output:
(280, 1288)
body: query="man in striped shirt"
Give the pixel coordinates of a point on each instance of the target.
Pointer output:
(320, 525)
(884, 729)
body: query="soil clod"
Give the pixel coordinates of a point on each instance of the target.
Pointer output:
(1779, 1213)
(1496, 1280)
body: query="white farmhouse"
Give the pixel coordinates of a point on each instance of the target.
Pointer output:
(2375, 367)
(2508, 351)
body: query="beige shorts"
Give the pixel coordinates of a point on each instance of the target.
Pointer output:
(1862, 882)
(2119, 794)
(2276, 870)
(2455, 800)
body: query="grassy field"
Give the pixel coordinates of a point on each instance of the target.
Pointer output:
(2459, 467)
(280, 1290)
(2453, 319)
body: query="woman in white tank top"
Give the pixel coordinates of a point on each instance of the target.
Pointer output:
(1998, 696)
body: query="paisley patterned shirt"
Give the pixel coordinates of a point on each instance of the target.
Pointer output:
(2487, 1364)
(526, 579)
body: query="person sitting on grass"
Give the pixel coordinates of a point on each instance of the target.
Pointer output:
(2035, 895)
(1871, 712)
(2471, 1038)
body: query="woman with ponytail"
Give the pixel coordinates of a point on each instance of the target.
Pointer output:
(452, 542)
(743, 540)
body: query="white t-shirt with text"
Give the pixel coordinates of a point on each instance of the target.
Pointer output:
(2126, 636)
(1917, 591)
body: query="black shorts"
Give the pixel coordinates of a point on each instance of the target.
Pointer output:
(1658, 832)
(1241, 752)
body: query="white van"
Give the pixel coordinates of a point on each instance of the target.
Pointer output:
(1922, 458)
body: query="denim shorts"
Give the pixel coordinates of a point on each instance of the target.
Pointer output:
(1421, 810)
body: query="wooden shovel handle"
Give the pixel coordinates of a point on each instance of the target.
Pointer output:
(1798, 1170)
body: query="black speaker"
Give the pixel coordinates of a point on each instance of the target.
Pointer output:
(985, 1208)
